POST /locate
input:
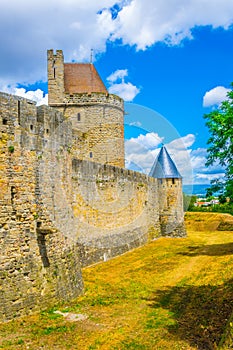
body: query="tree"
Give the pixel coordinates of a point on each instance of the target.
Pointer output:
(220, 124)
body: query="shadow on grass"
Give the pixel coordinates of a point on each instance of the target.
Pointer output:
(210, 250)
(200, 312)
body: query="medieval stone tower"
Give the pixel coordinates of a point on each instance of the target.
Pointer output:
(97, 117)
(170, 193)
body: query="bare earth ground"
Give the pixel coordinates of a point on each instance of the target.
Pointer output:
(170, 294)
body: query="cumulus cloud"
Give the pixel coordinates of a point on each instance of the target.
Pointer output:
(118, 74)
(127, 91)
(76, 26)
(203, 174)
(142, 151)
(145, 22)
(30, 29)
(215, 96)
(118, 86)
(37, 95)
(182, 142)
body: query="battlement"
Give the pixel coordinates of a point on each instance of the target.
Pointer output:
(96, 98)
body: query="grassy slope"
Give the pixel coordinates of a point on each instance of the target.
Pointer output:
(169, 294)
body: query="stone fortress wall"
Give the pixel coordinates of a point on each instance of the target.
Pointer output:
(97, 117)
(38, 264)
(61, 210)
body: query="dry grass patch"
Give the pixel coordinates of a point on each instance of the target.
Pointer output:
(169, 294)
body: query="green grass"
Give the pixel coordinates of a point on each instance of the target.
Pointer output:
(170, 294)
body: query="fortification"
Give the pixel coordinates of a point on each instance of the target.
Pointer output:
(97, 117)
(60, 209)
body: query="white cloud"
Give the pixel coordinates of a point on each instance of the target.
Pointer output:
(203, 174)
(182, 142)
(136, 123)
(149, 141)
(142, 151)
(30, 29)
(145, 22)
(206, 178)
(215, 96)
(76, 26)
(127, 91)
(118, 74)
(37, 95)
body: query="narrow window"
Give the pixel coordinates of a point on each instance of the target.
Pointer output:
(43, 249)
(13, 193)
(31, 127)
(173, 181)
(91, 155)
(54, 73)
(47, 131)
(19, 112)
(4, 121)
(79, 117)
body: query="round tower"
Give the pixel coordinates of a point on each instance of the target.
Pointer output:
(97, 117)
(171, 211)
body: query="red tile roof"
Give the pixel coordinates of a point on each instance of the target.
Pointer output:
(82, 77)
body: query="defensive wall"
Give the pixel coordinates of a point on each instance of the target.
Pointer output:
(59, 213)
(97, 117)
(38, 264)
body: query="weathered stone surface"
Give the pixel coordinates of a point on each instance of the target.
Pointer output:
(62, 209)
(97, 118)
(35, 256)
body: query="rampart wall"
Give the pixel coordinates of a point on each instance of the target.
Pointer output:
(35, 257)
(115, 210)
(59, 213)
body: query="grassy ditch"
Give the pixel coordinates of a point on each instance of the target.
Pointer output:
(170, 294)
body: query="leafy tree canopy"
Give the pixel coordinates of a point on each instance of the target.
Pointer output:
(220, 125)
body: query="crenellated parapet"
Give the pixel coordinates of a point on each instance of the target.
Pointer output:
(94, 98)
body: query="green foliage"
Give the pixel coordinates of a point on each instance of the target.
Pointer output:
(11, 149)
(218, 208)
(220, 150)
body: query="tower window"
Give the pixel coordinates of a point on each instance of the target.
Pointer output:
(19, 112)
(91, 155)
(31, 127)
(4, 121)
(173, 181)
(13, 193)
(79, 117)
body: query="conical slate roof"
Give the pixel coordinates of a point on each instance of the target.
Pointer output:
(164, 167)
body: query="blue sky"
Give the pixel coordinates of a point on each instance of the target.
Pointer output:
(171, 61)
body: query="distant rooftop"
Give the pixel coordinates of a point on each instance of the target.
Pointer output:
(164, 167)
(82, 77)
